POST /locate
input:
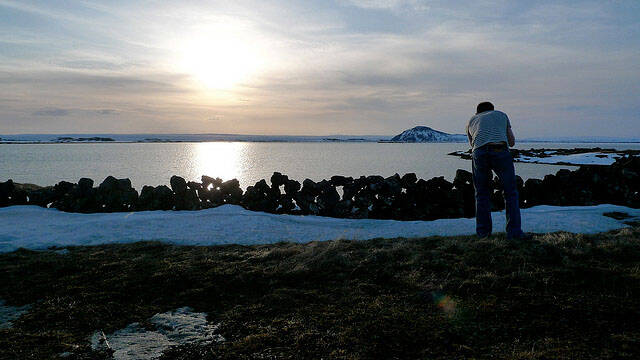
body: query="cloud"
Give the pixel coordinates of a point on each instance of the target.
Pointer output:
(51, 112)
(331, 66)
(390, 4)
(92, 65)
(107, 111)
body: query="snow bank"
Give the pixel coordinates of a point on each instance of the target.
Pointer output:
(34, 227)
(10, 313)
(182, 326)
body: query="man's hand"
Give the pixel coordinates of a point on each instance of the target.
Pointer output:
(511, 137)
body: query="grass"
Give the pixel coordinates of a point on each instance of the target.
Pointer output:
(561, 296)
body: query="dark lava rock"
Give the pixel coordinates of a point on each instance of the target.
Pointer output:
(277, 179)
(463, 178)
(209, 182)
(408, 180)
(42, 197)
(231, 192)
(156, 198)
(116, 195)
(464, 183)
(327, 199)
(85, 185)
(178, 185)
(291, 187)
(185, 197)
(109, 184)
(310, 187)
(533, 192)
(6, 192)
(306, 197)
(194, 185)
(261, 197)
(340, 180)
(64, 187)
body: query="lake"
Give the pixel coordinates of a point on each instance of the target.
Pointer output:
(155, 163)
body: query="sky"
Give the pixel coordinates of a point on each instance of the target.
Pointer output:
(318, 67)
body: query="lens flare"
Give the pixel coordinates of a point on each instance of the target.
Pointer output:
(445, 303)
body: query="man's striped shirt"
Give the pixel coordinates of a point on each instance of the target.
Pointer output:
(488, 127)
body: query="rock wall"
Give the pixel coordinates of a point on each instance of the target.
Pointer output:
(396, 197)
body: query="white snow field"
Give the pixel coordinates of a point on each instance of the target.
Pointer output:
(34, 227)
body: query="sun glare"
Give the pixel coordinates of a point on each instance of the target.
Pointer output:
(221, 57)
(219, 159)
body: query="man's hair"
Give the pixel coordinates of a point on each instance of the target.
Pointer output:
(484, 106)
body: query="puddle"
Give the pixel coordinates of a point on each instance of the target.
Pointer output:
(182, 326)
(10, 313)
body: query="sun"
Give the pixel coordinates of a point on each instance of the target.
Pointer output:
(220, 57)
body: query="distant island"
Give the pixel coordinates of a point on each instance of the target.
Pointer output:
(83, 139)
(427, 134)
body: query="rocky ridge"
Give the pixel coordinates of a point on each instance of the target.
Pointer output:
(396, 197)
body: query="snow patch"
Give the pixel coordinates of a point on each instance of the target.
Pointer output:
(574, 159)
(10, 313)
(182, 326)
(34, 227)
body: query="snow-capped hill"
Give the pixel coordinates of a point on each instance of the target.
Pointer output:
(427, 134)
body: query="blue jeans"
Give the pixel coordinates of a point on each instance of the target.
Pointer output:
(486, 159)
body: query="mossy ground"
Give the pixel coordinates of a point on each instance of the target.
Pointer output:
(559, 296)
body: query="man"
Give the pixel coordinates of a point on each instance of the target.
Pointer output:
(490, 136)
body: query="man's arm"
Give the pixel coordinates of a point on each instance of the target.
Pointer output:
(469, 136)
(511, 137)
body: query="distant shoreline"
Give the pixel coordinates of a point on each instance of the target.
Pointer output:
(169, 141)
(185, 138)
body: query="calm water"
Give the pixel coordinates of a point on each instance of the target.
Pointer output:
(155, 163)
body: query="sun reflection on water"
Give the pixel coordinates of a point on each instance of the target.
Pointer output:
(220, 159)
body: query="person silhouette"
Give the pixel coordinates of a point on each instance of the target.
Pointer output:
(490, 136)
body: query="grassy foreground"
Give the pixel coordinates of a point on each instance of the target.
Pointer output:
(559, 296)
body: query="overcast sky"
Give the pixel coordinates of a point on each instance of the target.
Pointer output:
(318, 67)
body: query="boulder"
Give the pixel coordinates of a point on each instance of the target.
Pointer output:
(231, 192)
(178, 185)
(463, 178)
(310, 187)
(156, 198)
(277, 179)
(408, 180)
(463, 181)
(64, 187)
(116, 195)
(209, 182)
(340, 180)
(533, 193)
(327, 199)
(42, 197)
(85, 185)
(291, 187)
(306, 197)
(109, 184)
(261, 197)
(6, 191)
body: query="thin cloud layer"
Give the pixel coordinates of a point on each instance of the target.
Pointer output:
(318, 67)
